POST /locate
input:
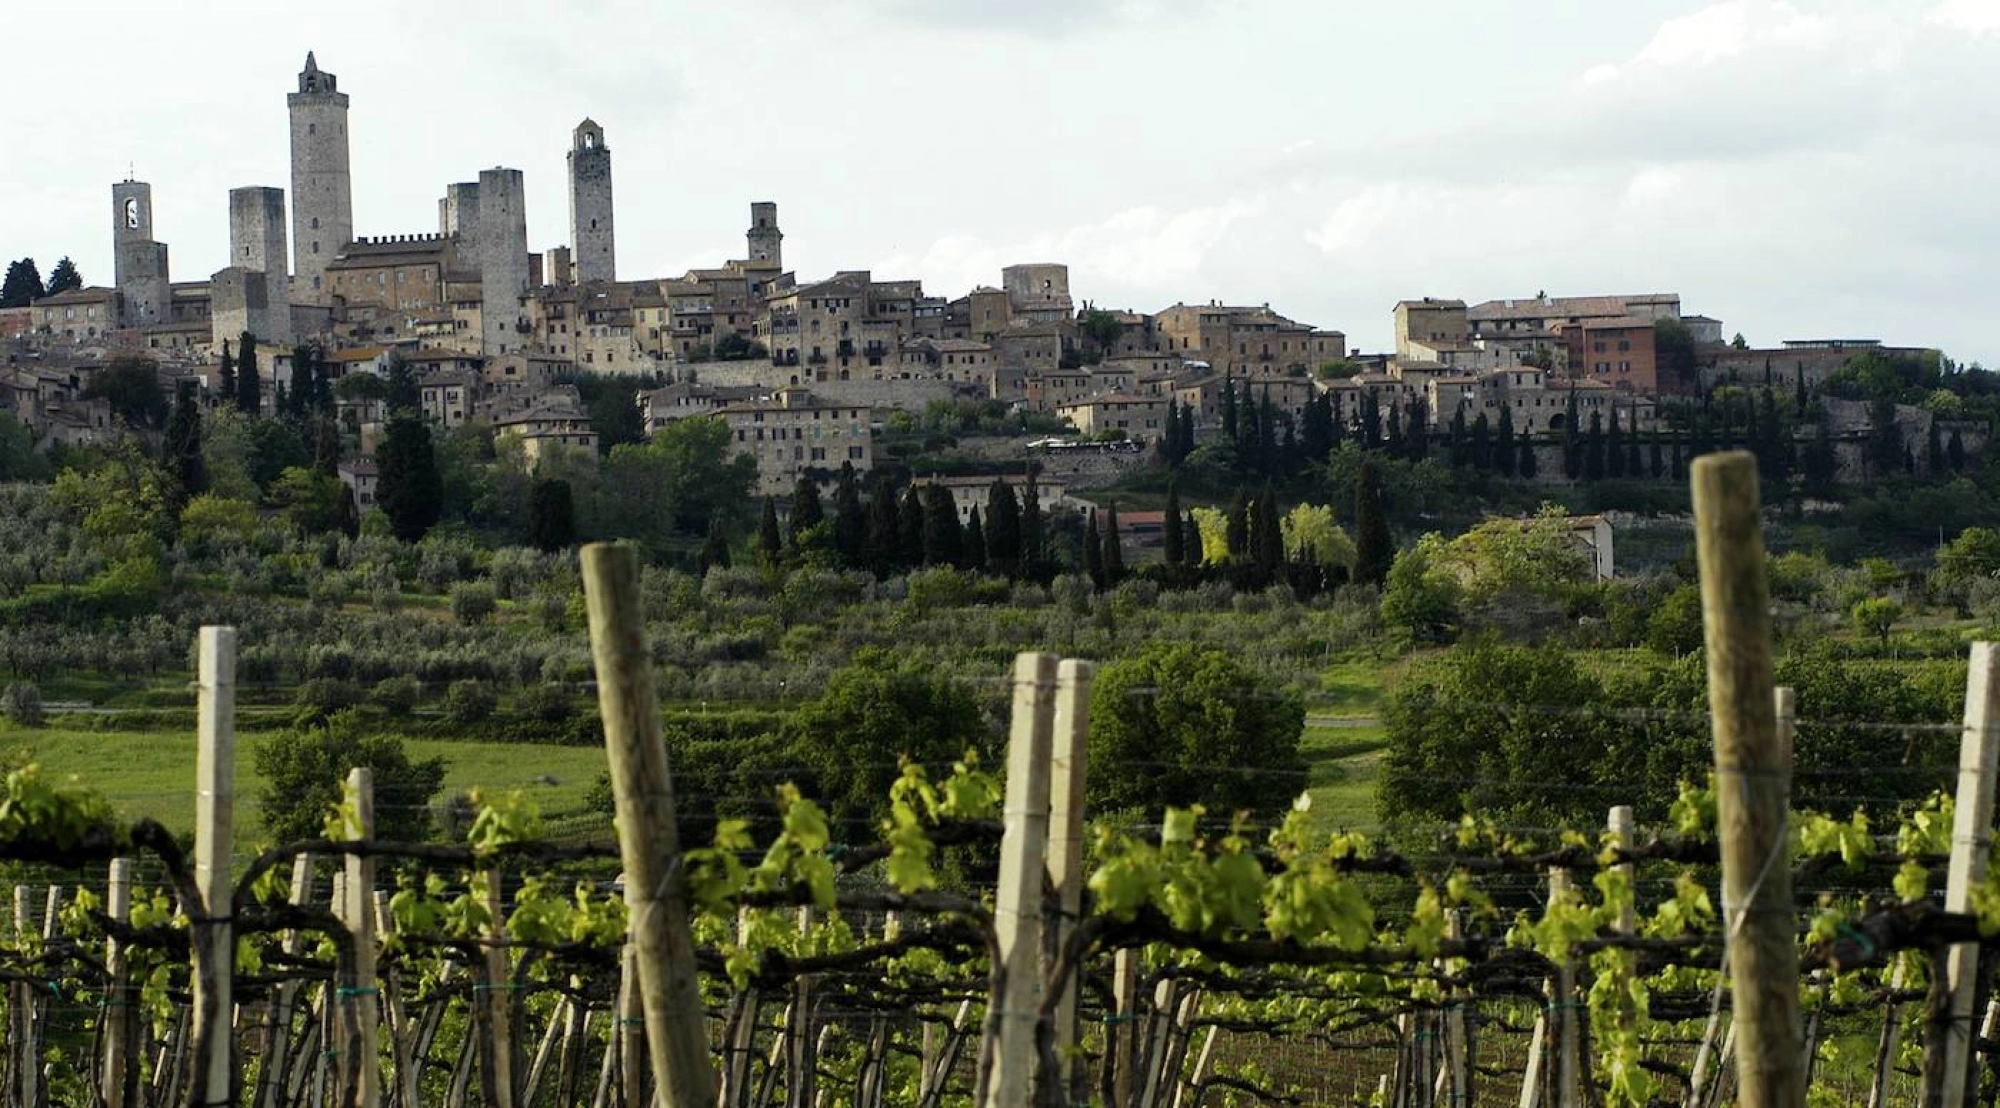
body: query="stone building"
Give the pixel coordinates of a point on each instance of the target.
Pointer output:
(500, 250)
(558, 420)
(1246, 339)
(766, 242)
(77, 316)
(1139, 417)
(796, 435)
(322, 185)
(593, 246)
(1617, 351)
(139, 264)
(1038, 291)
(257, 258)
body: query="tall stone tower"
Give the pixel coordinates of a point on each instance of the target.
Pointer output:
(458, 214)
(322, 188)
(592, 247)
(501, 248)
(139, 264)
(767, 243)
(257, 244)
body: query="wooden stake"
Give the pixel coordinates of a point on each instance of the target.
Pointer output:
(1069, 764)
(648, 839)
(1568, 1042)
(212, 936)
(1752, 781)
(1121, 1044)
(23, 1069)
(1885, 1049)
(1017, 912)
(120, 1080)
(1945, 1086)
(401, 1037)
(355, 999)
(272, 1077)
(631, 1030)
(495, 1014)
(1536, 1075)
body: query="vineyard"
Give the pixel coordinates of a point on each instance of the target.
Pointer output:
(992, 945)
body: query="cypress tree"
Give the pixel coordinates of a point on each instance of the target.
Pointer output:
(1934, 450)
(1394, 441)
(850, 520)
(1113, 559)
(1503, 443)
(1677, 465)
(1614, 447)
(1659, 461)
(408, 487)
(1170, 443)
(944, 539)
(1316, 429)
(1093, 555)
(885, 538)
(1187, 430)
(1172, 541)
(715, 550)
(182, 449)
(249, 382)
(1572, 441)
(1003, 529)
(1267, 539)
(226, 391)
(1237, 533)
(1031, 528)
(1374, 548)
(1455, 446)
(1634, 466)
(551, 515)
(1528, 465)
(1954, 451)
(910, 525)
(1191, 552)
(1416, 431)
(770, 543)
(1231, 429)
(807, 511)
(1371, 422)
(1593, 450)
(1482, 444)
(975, 541)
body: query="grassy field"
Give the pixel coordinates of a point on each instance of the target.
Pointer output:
(151, 773)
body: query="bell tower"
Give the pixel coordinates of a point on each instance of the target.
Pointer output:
(593, 247)
(767, 243)
(322, 187)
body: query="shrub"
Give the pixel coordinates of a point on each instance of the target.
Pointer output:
(327, 694)
(472, 603)
(396, 695)
(22, 702)
(469, 701)
(547, 703)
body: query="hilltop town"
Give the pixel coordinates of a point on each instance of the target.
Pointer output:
(805, 370)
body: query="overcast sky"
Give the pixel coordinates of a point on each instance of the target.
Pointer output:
(1799, 169)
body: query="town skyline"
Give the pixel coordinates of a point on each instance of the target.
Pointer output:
(1286, 222)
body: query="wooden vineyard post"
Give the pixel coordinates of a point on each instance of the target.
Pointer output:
(492, 995)
(1752, 782)
(23, 1069)
(212, 936)
(1120, 1043)
(1565, 1037)
(631, 1030)
(648, 838)
(120, 1087)
(1948, 1065)
(355, 1000)
(1068, 766)
(1007, 1075)
(401, 1036)
(274, 1075)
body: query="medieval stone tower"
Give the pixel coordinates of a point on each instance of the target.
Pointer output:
(138, 263)
(257, 245)
(322, 188)
(767, 243)
(593, 250)
(500, 246)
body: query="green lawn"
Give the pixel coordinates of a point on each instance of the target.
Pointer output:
(151, 773)
(1344, 763)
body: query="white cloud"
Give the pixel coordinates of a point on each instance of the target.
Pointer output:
(1977, 16)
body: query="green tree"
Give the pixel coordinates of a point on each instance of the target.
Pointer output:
(64, 277)
(715, 549)
(551, 515)
(1419, 596)
(1113, 559)
(807, 517)
(1003, 529)
(850, 520)
(1676, 355)
(944, 538)
(1102, 329)
(877, 709)
(401, 391)
(1675, 627)
(1093, 552)
(407, 485)
(910, 527)
(975, 541)
(1885, 438)
(1238, 532)
(132, 387)
(23, 284)
(1876, 616)
(1374, 547)
(1173, 540)
(1180, 725)
(311, 501)
(180, 452)
(770, 541)
(303, 771)
(249, 379)
(885, 542)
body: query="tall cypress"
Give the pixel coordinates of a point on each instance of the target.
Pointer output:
(1527, 463)
(715, 549)
(975, 541)
(1954, 451)
(1093, 553)
(226, 390)
(249, 382)
(1230, 418)
(1659, 466)
(1003, 529)
(1371, 421)
(1482, 444)
(1032, 554)
(1237, 533)
(1316, 429)
(944, 538)
(1593, 450)
(1416, 431)
(1191, 552)
(807, 513)
(1114, 548)
(850, 520)
(1172, 542)
(910, 525)
(408, 486)
(1614, 447)
(1572, 440)
(885, 537)
(1374, 547)
(1393, 443)
(1503, 443)
(182, 449)
(1267, 541)
(770, 543)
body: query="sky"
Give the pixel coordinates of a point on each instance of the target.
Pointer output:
(1796, 169)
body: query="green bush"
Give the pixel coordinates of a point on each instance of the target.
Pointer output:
(469, 701)
(473, 603)
(396, 695)
(22, 703)
(547, 703)
(327, 694)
